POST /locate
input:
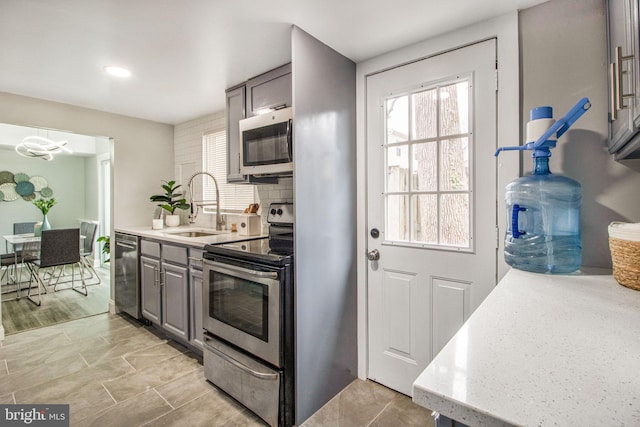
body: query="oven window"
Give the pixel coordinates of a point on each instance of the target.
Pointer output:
(240, 303)
(266, 145)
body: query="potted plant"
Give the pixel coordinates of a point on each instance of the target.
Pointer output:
(45, 206)
(106, 247)
(170, 201)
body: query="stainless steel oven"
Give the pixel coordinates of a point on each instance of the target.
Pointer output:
(242, 305)
(248, 299)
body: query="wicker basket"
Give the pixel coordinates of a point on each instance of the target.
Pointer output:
(625, 255)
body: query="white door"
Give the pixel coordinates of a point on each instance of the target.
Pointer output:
(431, 198)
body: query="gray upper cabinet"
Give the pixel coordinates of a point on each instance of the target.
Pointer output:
(269, 90)
(235, 112)
(624, 104)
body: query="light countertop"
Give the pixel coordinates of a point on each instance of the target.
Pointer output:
(542, 350)
(167, 235)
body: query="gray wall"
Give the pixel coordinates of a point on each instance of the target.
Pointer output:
(325, 236)
(143, 150)
(563, 58)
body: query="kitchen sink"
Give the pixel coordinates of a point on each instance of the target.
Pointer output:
(196, 233)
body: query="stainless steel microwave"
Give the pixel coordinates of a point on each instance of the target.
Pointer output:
(266, 143)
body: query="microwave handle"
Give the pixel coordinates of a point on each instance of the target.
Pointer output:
(290, 138)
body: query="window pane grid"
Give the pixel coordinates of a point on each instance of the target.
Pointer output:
(428, 182)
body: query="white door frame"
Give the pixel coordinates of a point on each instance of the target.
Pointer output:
(505, 29)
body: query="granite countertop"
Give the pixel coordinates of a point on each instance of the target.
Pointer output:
(542, 350)
(167, 235)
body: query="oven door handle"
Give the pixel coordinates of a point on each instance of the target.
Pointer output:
(240, 365)
(227, 268)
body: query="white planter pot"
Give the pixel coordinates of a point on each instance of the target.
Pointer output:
(172, 220)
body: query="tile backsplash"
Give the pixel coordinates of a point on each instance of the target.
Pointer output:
(188, 160)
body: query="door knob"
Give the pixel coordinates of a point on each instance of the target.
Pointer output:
(374, 255)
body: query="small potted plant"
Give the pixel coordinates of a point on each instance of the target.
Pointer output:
(170, 201)
(106, 246)
(45, 206)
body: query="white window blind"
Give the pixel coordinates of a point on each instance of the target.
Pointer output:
(233, 197)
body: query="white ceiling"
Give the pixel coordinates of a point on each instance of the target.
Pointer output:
(185, 53)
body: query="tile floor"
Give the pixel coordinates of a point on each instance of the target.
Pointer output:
(115, 372)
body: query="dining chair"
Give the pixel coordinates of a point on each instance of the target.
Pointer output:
(58, 248)
(11, 260)
(22, 228)
(7, 263)
(88, 230)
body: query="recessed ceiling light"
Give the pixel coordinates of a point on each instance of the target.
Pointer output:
(117, 71)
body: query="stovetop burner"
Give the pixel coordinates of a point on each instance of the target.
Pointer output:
(276, 250)
(258, 250)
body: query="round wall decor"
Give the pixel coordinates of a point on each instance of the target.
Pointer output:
(46, 192)
(5, 177)
(24, 188)
(20, 185)
(20, 177)
(9, 191)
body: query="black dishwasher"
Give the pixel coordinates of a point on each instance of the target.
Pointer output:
(127, 287)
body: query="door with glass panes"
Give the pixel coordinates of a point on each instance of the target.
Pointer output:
(431, 198)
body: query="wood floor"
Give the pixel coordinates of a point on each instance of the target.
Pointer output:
(63, 306)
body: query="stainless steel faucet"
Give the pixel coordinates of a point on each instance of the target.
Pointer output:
(194, 214)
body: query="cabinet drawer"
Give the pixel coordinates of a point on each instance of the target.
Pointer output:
(174, 254)
(195, 258)
(148, 247)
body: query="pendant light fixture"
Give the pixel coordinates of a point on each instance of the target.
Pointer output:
(41, 147)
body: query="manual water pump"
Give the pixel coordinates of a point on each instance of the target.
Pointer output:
(543, 209)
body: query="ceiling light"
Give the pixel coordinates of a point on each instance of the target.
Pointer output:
(38, 146)
(117, 71)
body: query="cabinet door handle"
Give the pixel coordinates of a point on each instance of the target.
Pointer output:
(613, 92)
(617, 82)
(156, 276)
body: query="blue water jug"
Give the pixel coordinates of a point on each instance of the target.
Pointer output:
(543, 209)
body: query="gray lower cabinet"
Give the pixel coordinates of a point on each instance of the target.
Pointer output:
(164, 281)
(175, 300)
(150, 288)
(195, 297)
(195, 288)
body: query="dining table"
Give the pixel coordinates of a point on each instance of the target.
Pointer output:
(18, 239)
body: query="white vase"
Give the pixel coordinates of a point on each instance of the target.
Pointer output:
(172, 220)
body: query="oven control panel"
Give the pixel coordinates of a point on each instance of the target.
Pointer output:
(280, 213)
